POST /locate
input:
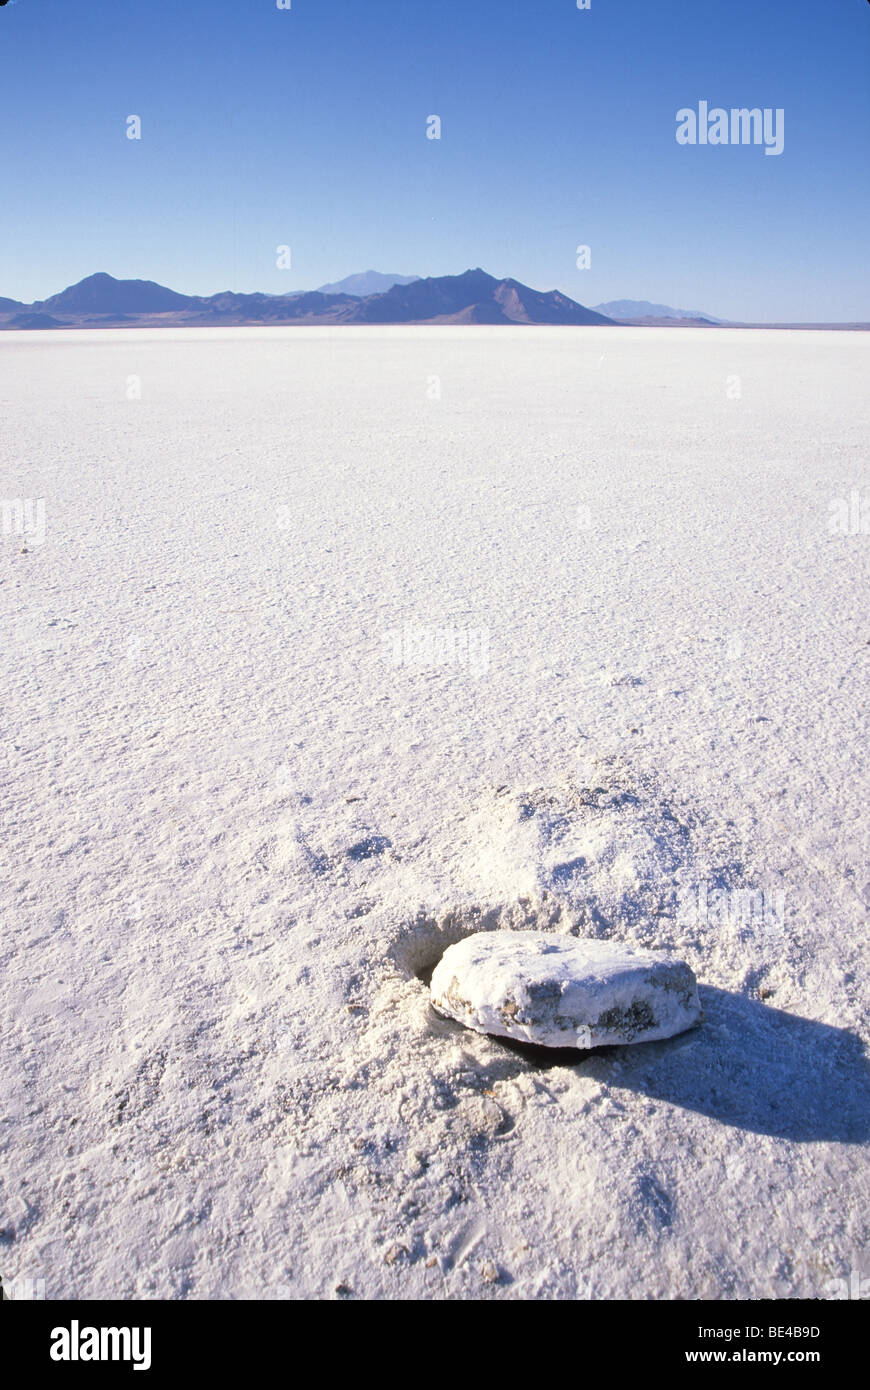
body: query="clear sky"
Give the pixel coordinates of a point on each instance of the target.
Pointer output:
(307, 127)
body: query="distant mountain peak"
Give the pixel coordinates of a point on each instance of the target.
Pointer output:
(367, 282)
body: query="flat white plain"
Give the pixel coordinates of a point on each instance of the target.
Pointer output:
(237, 828)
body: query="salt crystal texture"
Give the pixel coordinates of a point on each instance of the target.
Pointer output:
(564, 991)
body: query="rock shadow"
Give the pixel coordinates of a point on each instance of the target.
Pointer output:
(748, 1065)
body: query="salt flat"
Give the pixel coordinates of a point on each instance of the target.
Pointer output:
(340, 644)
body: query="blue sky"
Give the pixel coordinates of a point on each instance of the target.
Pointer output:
(263, 127)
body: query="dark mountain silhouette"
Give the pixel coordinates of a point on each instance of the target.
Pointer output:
(313, 302)
(229, 307)
(474, 297)
(523, 305)
(102, 294)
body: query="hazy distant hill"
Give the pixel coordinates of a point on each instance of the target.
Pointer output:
(621, 309)
(31, 319)
(367, 283)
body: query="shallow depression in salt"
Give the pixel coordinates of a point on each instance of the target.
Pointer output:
(341, 646)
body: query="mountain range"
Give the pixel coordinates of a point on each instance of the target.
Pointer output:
(101, 301)
(475, 297)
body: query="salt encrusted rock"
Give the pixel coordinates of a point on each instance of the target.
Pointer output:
(564, 991)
